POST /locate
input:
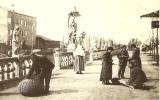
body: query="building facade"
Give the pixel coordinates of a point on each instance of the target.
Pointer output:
(10, 19)
(27, 30)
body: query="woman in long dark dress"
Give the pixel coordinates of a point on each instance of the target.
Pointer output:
(106, 72)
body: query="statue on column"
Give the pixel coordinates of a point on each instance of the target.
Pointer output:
(15, 41)
(18, 44)
(72, 25)
(72, 32)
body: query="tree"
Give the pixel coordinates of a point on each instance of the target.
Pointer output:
(134, 41)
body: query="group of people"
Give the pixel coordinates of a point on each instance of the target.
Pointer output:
(137, 75)
(43, 67)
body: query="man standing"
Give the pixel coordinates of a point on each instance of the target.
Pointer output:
(123, 58)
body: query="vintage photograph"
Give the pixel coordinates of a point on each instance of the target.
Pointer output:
(79, 49)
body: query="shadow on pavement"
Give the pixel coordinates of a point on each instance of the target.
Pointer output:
(152, 79)
(150, 59)
(92, 73)
(155, 64)
(57, 92)
(56, 74)
(55, 77)
(148, 87)
(8, 93)
(63, 91)
(50, 93)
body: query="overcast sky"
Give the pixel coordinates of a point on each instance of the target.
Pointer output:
(115, 19)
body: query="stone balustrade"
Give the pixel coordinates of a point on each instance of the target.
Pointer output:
(66, 60)
(63, 60)
(13, 70)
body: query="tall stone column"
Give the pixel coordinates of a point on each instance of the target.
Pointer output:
(57, 59)
(91, 55)
(72, 26)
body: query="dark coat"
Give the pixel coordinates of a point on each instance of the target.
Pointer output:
(136, 62)
(137, 77)
(123, 58)
(135, 58)
(41, 66)
(106, 72)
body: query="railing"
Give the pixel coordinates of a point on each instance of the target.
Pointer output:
(13, 70)
(66, 60)
(63, 60)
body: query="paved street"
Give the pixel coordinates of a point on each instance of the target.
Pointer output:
(66, 85)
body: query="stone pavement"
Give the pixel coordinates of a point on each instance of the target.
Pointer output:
(66, 85)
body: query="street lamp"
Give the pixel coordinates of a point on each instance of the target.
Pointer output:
(73, 14)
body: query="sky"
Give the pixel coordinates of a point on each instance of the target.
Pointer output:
(109, 19)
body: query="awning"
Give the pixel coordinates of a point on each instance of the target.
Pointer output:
(45, 38)
(75, 14)
(154, 14)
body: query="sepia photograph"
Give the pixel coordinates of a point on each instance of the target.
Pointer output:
(79, 49)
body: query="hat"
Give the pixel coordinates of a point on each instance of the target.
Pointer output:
(133, 46)
(124, 46)
(110, 48)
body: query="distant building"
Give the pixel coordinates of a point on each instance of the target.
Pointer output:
(44, 43)
(10, 19)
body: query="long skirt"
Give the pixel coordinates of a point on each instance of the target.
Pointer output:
(106, 72)
(79, 63)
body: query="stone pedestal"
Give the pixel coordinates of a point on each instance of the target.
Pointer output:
(91, 56)
(71, 47)
(57, 59)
